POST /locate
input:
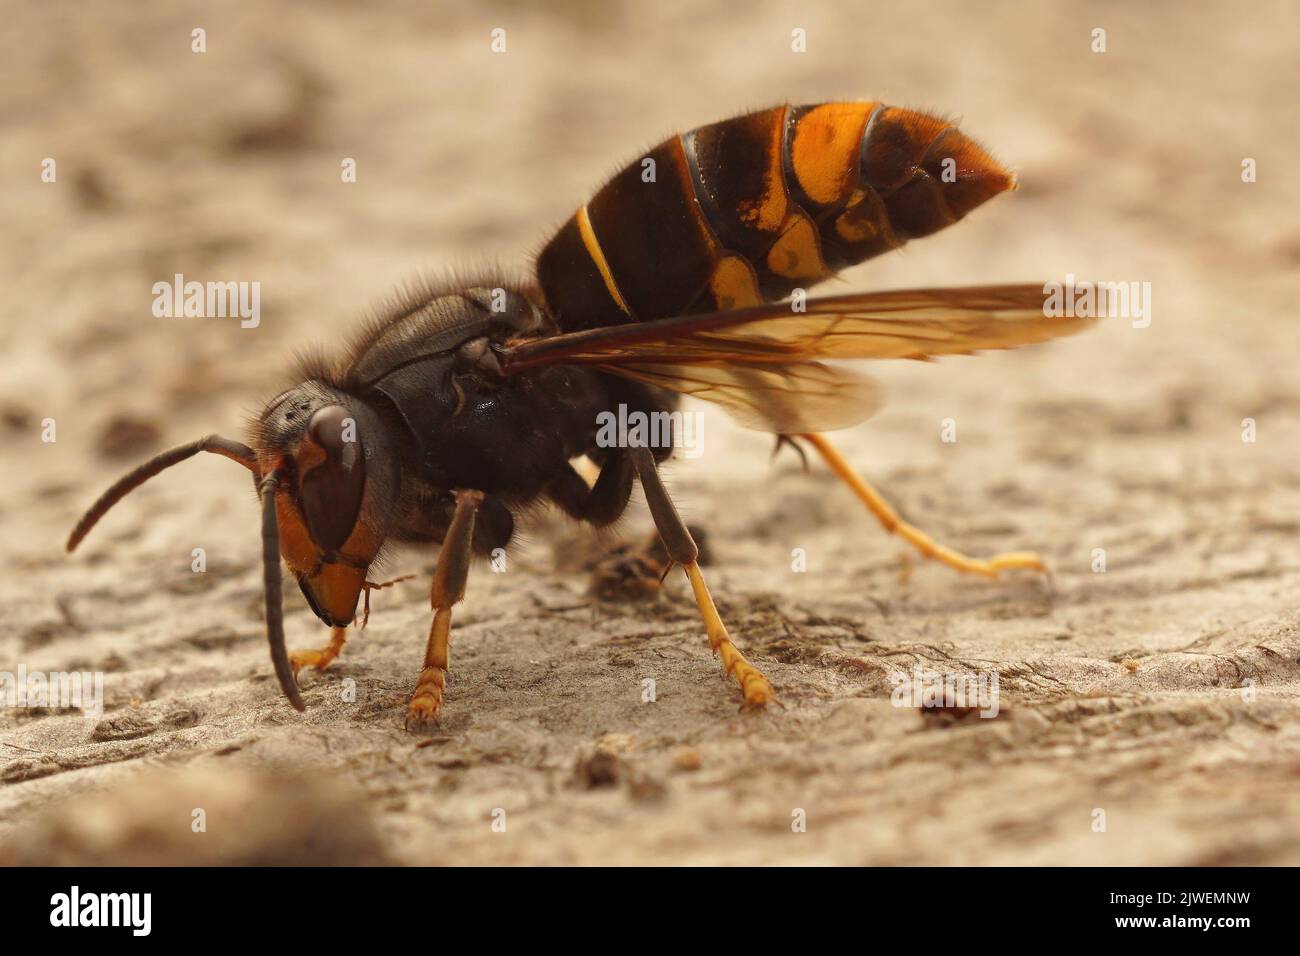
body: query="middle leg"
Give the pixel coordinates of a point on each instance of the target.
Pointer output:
(602, 503)
(682, 550)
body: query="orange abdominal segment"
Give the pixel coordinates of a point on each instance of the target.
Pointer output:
(796, 193)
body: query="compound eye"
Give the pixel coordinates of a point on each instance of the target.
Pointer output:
(333, 477)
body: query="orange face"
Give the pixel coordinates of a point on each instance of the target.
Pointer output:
(323, 538)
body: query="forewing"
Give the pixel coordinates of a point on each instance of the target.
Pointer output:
(914, 323)
(762, 362)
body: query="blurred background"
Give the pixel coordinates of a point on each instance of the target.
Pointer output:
(226, 165)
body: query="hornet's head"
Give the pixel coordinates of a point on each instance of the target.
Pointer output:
(327, 474)
(337, 488)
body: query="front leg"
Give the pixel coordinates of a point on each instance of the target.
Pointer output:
(322, 656)
(449, 578)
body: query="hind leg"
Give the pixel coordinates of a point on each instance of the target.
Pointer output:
(602, 503)
(890, 520)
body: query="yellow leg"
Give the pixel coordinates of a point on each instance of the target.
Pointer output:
(322, 656)
(448, 588)
(426, 699)
(892, 523)
(758, 692)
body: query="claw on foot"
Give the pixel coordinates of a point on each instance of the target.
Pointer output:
(422, 721)
(426, 702)
(756, 688)
(758, 692)
(321, 657)
(302, 659)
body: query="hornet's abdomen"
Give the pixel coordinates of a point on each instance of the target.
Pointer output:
(746, 210)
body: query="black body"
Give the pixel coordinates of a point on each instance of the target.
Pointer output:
(430, 377)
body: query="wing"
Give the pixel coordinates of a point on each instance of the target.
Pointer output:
(785, 399)
(764, 363)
